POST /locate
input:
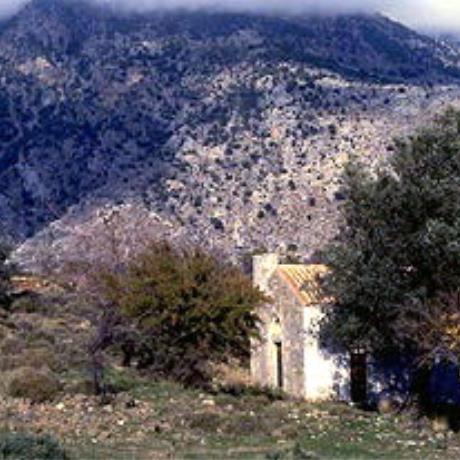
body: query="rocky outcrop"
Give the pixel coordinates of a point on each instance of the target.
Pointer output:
(231, 128)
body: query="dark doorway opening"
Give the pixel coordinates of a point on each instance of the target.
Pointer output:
(358, 377)
(279, 365)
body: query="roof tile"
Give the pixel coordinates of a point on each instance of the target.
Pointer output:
(305, 282)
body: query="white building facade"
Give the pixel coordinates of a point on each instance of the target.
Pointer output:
(289, 354)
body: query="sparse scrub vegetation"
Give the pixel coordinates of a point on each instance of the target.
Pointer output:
(29, 304)
(37, 385)
(23, 446)
(5, 274)
(30, 357)
(234, 127)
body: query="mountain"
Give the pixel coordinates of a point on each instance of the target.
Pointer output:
(448, 39)
(231, 129)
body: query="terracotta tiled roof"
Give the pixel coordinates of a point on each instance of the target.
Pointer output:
(305, 282)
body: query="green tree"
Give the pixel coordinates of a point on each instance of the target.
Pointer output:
(185, 309)
(395, 266)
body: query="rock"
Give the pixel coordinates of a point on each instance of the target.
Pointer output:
(278, 433)
(104, 435)
(440, 424)
(208, 402)
(385, 405)
(108, 409)
(130, 404)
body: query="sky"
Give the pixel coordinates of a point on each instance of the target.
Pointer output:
(420, 14)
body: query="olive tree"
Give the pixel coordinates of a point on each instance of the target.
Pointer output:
(395, 265)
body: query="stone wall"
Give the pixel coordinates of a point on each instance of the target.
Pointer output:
(327, 374)
(309, 370)
(281, 321)
(263, 268)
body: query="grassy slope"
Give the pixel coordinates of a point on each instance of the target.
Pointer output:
(150, 420)
(251, 425)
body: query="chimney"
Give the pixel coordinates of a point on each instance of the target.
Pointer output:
(263, 267)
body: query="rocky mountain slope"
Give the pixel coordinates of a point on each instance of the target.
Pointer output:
(229, 129)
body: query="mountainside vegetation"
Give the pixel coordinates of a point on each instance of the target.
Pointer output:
(5, 275)
(143, 158)
(223, 125)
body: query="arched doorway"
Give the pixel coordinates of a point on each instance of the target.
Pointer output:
(276, 340)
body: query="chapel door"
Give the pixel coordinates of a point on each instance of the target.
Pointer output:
(279, 364)
(358, 377)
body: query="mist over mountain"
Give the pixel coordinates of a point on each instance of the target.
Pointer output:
(328, 7)
(429, 15)
(228, 128)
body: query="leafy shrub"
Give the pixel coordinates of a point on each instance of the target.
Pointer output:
(28, 304)
(267, 393)
(29, 357)
(11, 345)
(186, 309)
(79, 386)
(42, 337)
(205, 422)
(38, 385)
(22, 446)
(250, 425)
(3, 333)
(7, 362)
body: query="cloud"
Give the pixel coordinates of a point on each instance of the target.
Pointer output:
(441, 14)
(428, 14)
(10, 7)
(248, 5)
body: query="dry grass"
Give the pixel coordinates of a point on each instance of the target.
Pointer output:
(36, 385)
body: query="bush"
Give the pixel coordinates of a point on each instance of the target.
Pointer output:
(4, 331)
(186, 309)
(205, 422)
(79, 386)
(29, 304)
(11, 345)
(268, 394)
(32, 357)
(38, 385)
(21, 446)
